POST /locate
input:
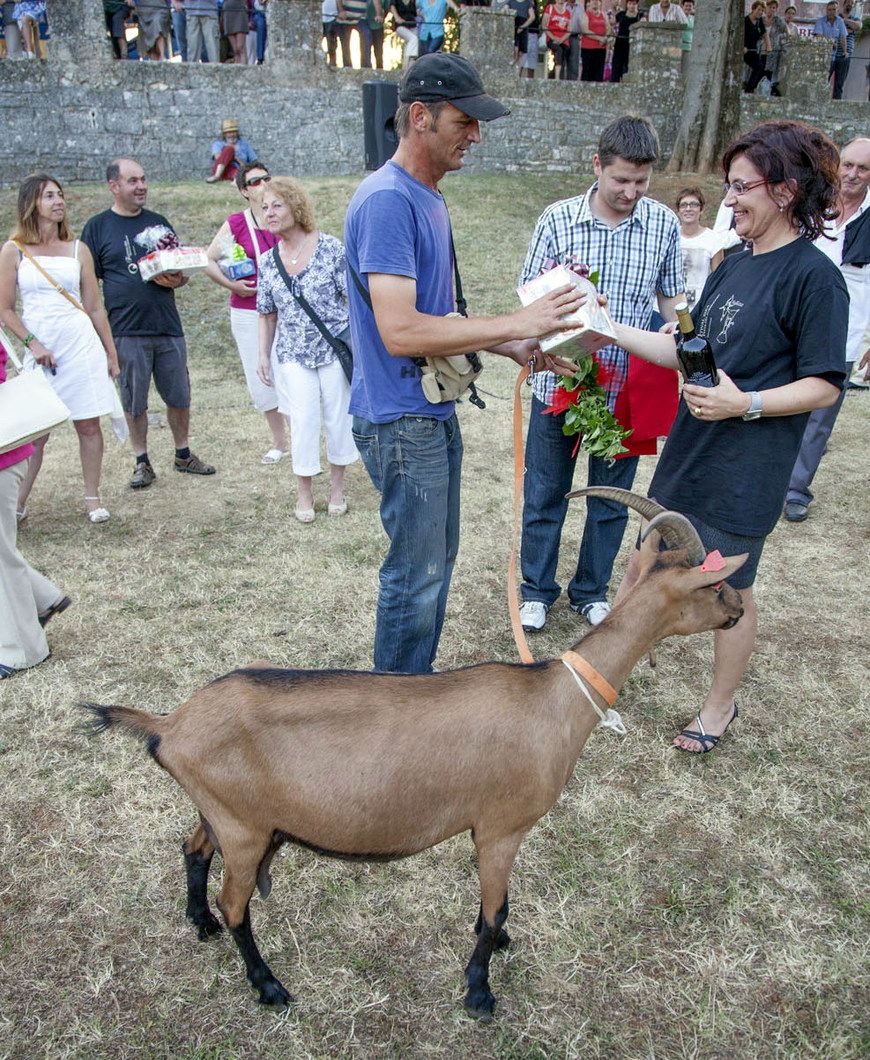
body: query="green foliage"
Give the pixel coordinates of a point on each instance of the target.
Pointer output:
(588, 414)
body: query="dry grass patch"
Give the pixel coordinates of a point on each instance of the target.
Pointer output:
(668, 907)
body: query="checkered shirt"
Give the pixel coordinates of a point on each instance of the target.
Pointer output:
(637, 258)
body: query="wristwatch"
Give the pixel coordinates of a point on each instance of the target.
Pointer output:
(756, 407)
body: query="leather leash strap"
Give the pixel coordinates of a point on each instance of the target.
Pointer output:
(602, 686)
(519, 470)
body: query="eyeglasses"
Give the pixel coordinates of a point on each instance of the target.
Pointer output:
(740, 187)
(689, 204)
(257, 180)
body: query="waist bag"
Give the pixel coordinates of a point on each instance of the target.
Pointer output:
(443, 378)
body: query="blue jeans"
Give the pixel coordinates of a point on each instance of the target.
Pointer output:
(415, 464)
(260, 27)
(179, 34)
(365, 42)
(549, 476)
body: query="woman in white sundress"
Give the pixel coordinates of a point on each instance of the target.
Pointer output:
(62, 325)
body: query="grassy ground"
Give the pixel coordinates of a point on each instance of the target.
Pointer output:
(669, 906)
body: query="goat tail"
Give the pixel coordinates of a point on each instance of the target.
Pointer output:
(138, 723)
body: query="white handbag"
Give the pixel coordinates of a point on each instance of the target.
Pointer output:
(29, 407)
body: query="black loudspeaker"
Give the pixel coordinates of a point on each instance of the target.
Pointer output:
(380, 99)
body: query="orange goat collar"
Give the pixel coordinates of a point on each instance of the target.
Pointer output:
(603, 687)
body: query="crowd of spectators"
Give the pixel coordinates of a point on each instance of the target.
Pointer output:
(587, 40)
(193, 30)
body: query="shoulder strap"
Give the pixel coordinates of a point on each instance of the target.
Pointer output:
(252, 232)
(5, 341)
(293, 289)
(57, 286)
(461, 304)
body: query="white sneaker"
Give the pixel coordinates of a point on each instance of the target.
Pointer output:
(596, 612)
(533, 615)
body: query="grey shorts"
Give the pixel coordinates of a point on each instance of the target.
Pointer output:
(729, 545)
(163, 357)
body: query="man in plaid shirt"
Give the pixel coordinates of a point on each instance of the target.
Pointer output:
(634, 243)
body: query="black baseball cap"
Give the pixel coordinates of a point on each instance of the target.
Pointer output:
(447, 76)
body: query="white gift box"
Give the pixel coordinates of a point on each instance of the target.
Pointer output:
(178, 259)
(592, 326)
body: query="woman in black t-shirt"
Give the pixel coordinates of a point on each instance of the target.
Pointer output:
(776, 318)
(756, 45)
(624, 21)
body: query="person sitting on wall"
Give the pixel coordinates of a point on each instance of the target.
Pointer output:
(229, 153)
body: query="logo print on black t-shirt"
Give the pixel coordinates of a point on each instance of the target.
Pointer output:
(727, 316)
(131, 257)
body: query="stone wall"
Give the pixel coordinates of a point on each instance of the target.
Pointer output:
(71, 114)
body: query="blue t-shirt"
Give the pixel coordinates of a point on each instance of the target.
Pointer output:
(834, 31)
(398, 226)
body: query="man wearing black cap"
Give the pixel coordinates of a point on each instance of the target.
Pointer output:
(399, 251)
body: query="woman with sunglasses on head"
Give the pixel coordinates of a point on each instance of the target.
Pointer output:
(776, 319)
(248, 230)
(703, 249)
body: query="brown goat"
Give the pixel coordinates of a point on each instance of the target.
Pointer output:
(378, 766)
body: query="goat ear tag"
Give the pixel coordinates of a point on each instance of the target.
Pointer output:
(714, 562)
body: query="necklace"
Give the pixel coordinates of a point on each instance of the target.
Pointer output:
(299, 250)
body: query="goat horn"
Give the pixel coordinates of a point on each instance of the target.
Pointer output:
(675, 529)
(678, 532)
(645, 507)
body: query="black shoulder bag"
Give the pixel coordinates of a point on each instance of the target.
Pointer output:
(340, 343)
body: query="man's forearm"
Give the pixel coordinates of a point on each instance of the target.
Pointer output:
(422, 335)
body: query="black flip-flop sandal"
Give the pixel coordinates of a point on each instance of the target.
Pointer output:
(702, 737)
(55, 609)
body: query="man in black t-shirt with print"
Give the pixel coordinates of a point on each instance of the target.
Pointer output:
(143, 317)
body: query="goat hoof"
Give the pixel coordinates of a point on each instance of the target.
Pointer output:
(502, 940)
(272, 993)
(206, 924)
(480, 1005)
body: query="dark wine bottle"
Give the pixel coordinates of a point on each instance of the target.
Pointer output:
(694, 352)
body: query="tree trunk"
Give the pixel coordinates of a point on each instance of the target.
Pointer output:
(710, 114)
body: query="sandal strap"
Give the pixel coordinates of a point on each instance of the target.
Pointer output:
(701, 736)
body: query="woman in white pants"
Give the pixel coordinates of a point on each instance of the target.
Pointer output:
(310, 382)
(248, 229)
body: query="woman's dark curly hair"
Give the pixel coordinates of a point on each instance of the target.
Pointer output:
(804, 158)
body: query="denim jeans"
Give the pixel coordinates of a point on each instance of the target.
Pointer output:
(414, 463)
(262, 34)
(549, 476)
(365, 42)
(179, 34)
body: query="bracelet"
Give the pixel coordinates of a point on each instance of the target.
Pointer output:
(28, 338)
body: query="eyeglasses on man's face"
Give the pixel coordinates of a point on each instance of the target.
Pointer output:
(254, 181)
(740, 187)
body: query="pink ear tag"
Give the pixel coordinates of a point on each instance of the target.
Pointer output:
(713, 562)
